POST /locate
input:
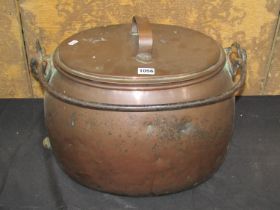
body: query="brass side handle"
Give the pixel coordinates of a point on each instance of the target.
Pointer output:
(236, 58)
(40, 62)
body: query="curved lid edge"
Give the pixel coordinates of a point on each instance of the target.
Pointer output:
(130, 80)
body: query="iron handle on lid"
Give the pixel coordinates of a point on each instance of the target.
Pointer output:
(142, 28)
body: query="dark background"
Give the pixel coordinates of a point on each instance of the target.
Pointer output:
(249, 178)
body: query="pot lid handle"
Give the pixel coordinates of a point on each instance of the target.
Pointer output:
(141, 27)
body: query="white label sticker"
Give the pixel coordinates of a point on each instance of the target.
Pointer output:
(150, 71)
(73, 42)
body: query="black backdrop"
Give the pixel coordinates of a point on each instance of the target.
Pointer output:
(249, 178)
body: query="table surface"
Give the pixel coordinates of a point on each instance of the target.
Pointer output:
(249, 178)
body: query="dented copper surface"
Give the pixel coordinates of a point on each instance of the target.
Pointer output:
(118, 131)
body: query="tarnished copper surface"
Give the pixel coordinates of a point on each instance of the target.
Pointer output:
(139, 153)
(149, 151)
(110, 54)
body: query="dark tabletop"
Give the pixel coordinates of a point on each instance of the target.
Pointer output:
(249, 178)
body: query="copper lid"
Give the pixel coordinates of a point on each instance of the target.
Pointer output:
(139, 53)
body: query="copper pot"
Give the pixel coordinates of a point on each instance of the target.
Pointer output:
(141, 109)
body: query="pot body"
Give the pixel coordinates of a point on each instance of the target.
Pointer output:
(140, 153)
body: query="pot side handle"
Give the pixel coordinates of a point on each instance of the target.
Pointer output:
(40, 63)
(236, 58)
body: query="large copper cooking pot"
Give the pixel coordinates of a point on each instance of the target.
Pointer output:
(140, 109)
